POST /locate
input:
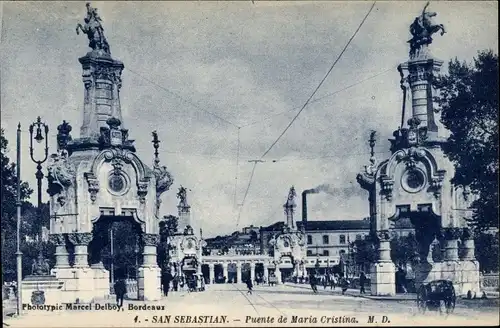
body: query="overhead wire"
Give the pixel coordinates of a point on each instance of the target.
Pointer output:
(322, 81)
(302, 108)
(318, 99)
(246, 194)
(183, 99)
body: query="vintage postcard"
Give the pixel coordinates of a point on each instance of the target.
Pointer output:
(249, 163)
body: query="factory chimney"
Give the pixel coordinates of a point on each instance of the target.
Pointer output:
(304, 203)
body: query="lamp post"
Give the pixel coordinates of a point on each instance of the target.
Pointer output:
(19, 254)
(40, 267)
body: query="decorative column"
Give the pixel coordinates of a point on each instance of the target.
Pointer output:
(211, 270)
(149, 272)
(277, 273)
(252, 271)
(468, 245)
(238, 272)
(266, 271)
(224, 271)
(80, 284)
(81, 242)
(451, 236)
(62, 256)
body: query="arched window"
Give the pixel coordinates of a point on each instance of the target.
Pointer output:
(326, 240)
(342, 239)
(309, 240)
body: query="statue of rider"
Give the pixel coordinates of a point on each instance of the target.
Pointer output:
(422, 30)
(94, 30)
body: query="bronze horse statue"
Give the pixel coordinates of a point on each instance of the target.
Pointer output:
(422, 30)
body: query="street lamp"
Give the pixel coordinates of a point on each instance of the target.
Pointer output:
(19, 254)
(39, 267)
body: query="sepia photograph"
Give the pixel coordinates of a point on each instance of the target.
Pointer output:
(249, 163)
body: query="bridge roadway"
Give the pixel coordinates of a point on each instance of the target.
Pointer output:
(258, 309)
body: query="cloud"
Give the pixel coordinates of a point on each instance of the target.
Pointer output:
(242, 62)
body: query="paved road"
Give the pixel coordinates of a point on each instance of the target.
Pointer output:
(258, 309)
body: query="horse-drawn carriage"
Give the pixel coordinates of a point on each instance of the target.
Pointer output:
(435, 295)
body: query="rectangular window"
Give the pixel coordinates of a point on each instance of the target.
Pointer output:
(326, 253)
(309, 240)
(326, 240)
(309, 253)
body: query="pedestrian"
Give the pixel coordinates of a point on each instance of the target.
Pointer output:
(165, 281)
(325, 282)
(249, 286)
(344, 284)
(120, 291)
(313, 281)
(362, 281)
(175, 283)
(402, 280)
(333, 282)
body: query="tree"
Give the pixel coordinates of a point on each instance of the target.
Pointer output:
(364, 251)
(469, 105)
(168, 227)
(404, 249)
(486, 247)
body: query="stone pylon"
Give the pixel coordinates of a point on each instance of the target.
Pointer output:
(415, 182)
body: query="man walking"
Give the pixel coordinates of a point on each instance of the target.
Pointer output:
(120, 291)
(249, 286)
(165, 281)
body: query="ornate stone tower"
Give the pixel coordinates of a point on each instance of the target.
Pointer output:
(415, 182)
(187, 246)
(98, 179)
(289, 245)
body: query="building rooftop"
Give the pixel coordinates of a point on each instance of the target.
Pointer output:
(338, 225)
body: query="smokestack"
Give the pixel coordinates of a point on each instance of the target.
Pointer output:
(304, 203)
(304, 207)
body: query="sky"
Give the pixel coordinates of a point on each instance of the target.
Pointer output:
(253, 65)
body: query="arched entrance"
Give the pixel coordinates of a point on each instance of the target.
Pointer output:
(116, 248)
(245, 272)
(219, 274)
(287, 268)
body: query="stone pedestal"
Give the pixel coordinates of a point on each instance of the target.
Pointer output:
(101, 280)
(78, 284)
(49, 285)
(149, 283)
(383, 279)
(463, 274)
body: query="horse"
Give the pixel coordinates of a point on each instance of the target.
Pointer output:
(435, 293)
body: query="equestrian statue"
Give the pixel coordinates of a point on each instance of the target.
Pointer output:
(422, 30)
(94, 30)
